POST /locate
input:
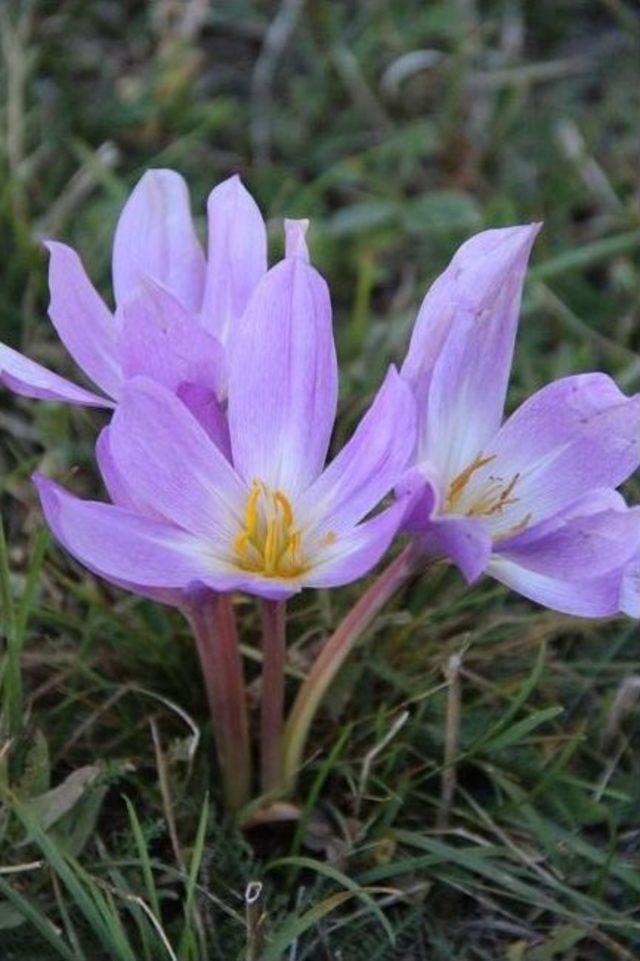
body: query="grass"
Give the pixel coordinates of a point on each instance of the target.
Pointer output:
(507, 113)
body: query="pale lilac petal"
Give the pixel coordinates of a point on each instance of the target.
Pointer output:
(463, 540)
(162, 340)
(122, 546)
(25, 377)
(420, 488)
(630, 590)
(84, 323)
(295, 242)
(174, 466)
(355, 552)
(283, 379)
(210, 414)
(469, 381)
(117, 484)
(581, 548)
(596, 597)
(575, 435)
(237, 257)
(155, 236)
(484, 280)
(369, 465)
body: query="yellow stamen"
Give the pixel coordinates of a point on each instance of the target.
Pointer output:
(486, 497)
(251, 511)
(269, 542)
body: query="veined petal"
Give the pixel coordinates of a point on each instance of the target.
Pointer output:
(84, 323)
(596, 597)
(237, 256)
(471, 373)
(155, 236)
(121, 493)
(482, 286)
(357, 551)
(369, 465)
(25, 377)
(465, 541)
(121, 546)
(295, 243)
(283, 379)
(210, 414)
(573, 436)
(171, 464)
(162, 340)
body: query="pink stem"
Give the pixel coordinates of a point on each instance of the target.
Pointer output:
(335, 652)
(212, 620)
(273, 665)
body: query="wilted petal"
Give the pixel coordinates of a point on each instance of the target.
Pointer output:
(172, 464)
(162, 340)
(25, 377)
(237, 256)
(369, 465)
(575, 435)
(295, 243)
(483, 280)
(155, 236)
(357, 551)
(596, 597)
(283, 379)
(122, 546)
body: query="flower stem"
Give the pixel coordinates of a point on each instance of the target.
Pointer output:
(212, 620)
(273, 615)
(335, 652)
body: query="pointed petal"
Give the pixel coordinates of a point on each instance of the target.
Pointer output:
(120, 491)
(295, 233)
(471, 373)
(283, 379)
(120, 545)
(237, 256)
(25, 377)
(369, 465)
(155, 236)
(358, 550)
(573, 436)
(482, 286)
(596, 597)
(173, 465)
(162, 340)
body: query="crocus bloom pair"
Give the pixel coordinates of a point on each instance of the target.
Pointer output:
(174, 309)
(530, 501)
(270, 520)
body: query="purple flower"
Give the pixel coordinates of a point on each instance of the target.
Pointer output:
(630, 592)
(174, 309)
(530, 501)
(272, 520)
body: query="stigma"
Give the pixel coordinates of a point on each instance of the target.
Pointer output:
(269, 542)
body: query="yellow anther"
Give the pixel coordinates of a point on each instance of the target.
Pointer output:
(460, 481)
(269, 542)
(251, 510)
(283, 502)
(486, 497)
(270, 552)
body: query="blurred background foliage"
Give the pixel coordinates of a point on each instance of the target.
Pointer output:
(399, 128)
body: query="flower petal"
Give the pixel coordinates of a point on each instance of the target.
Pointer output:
(161, 340)
(25, 377)
(573, 436)
(172, 465)
(83, 321)
(155, 236)
(210, 414)
(477, 296)
(295, 243)
(464, 540)
(369, 465)
(122, 546)
(630, 590)
(283, 379)
(237, 255)
(471, 373)
(354, 553)
(596, 597)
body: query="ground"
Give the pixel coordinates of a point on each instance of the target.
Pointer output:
(399, 129)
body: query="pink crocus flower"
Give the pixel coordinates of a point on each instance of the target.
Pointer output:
(272, 520)
(174, 308)
(531, 501)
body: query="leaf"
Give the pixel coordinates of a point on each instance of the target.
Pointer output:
(523, 728)
(10, 916)
(54, 804)
(37, 769)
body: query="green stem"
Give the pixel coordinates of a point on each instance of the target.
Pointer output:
(273, 615)
(335, 652)
(213, 623)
